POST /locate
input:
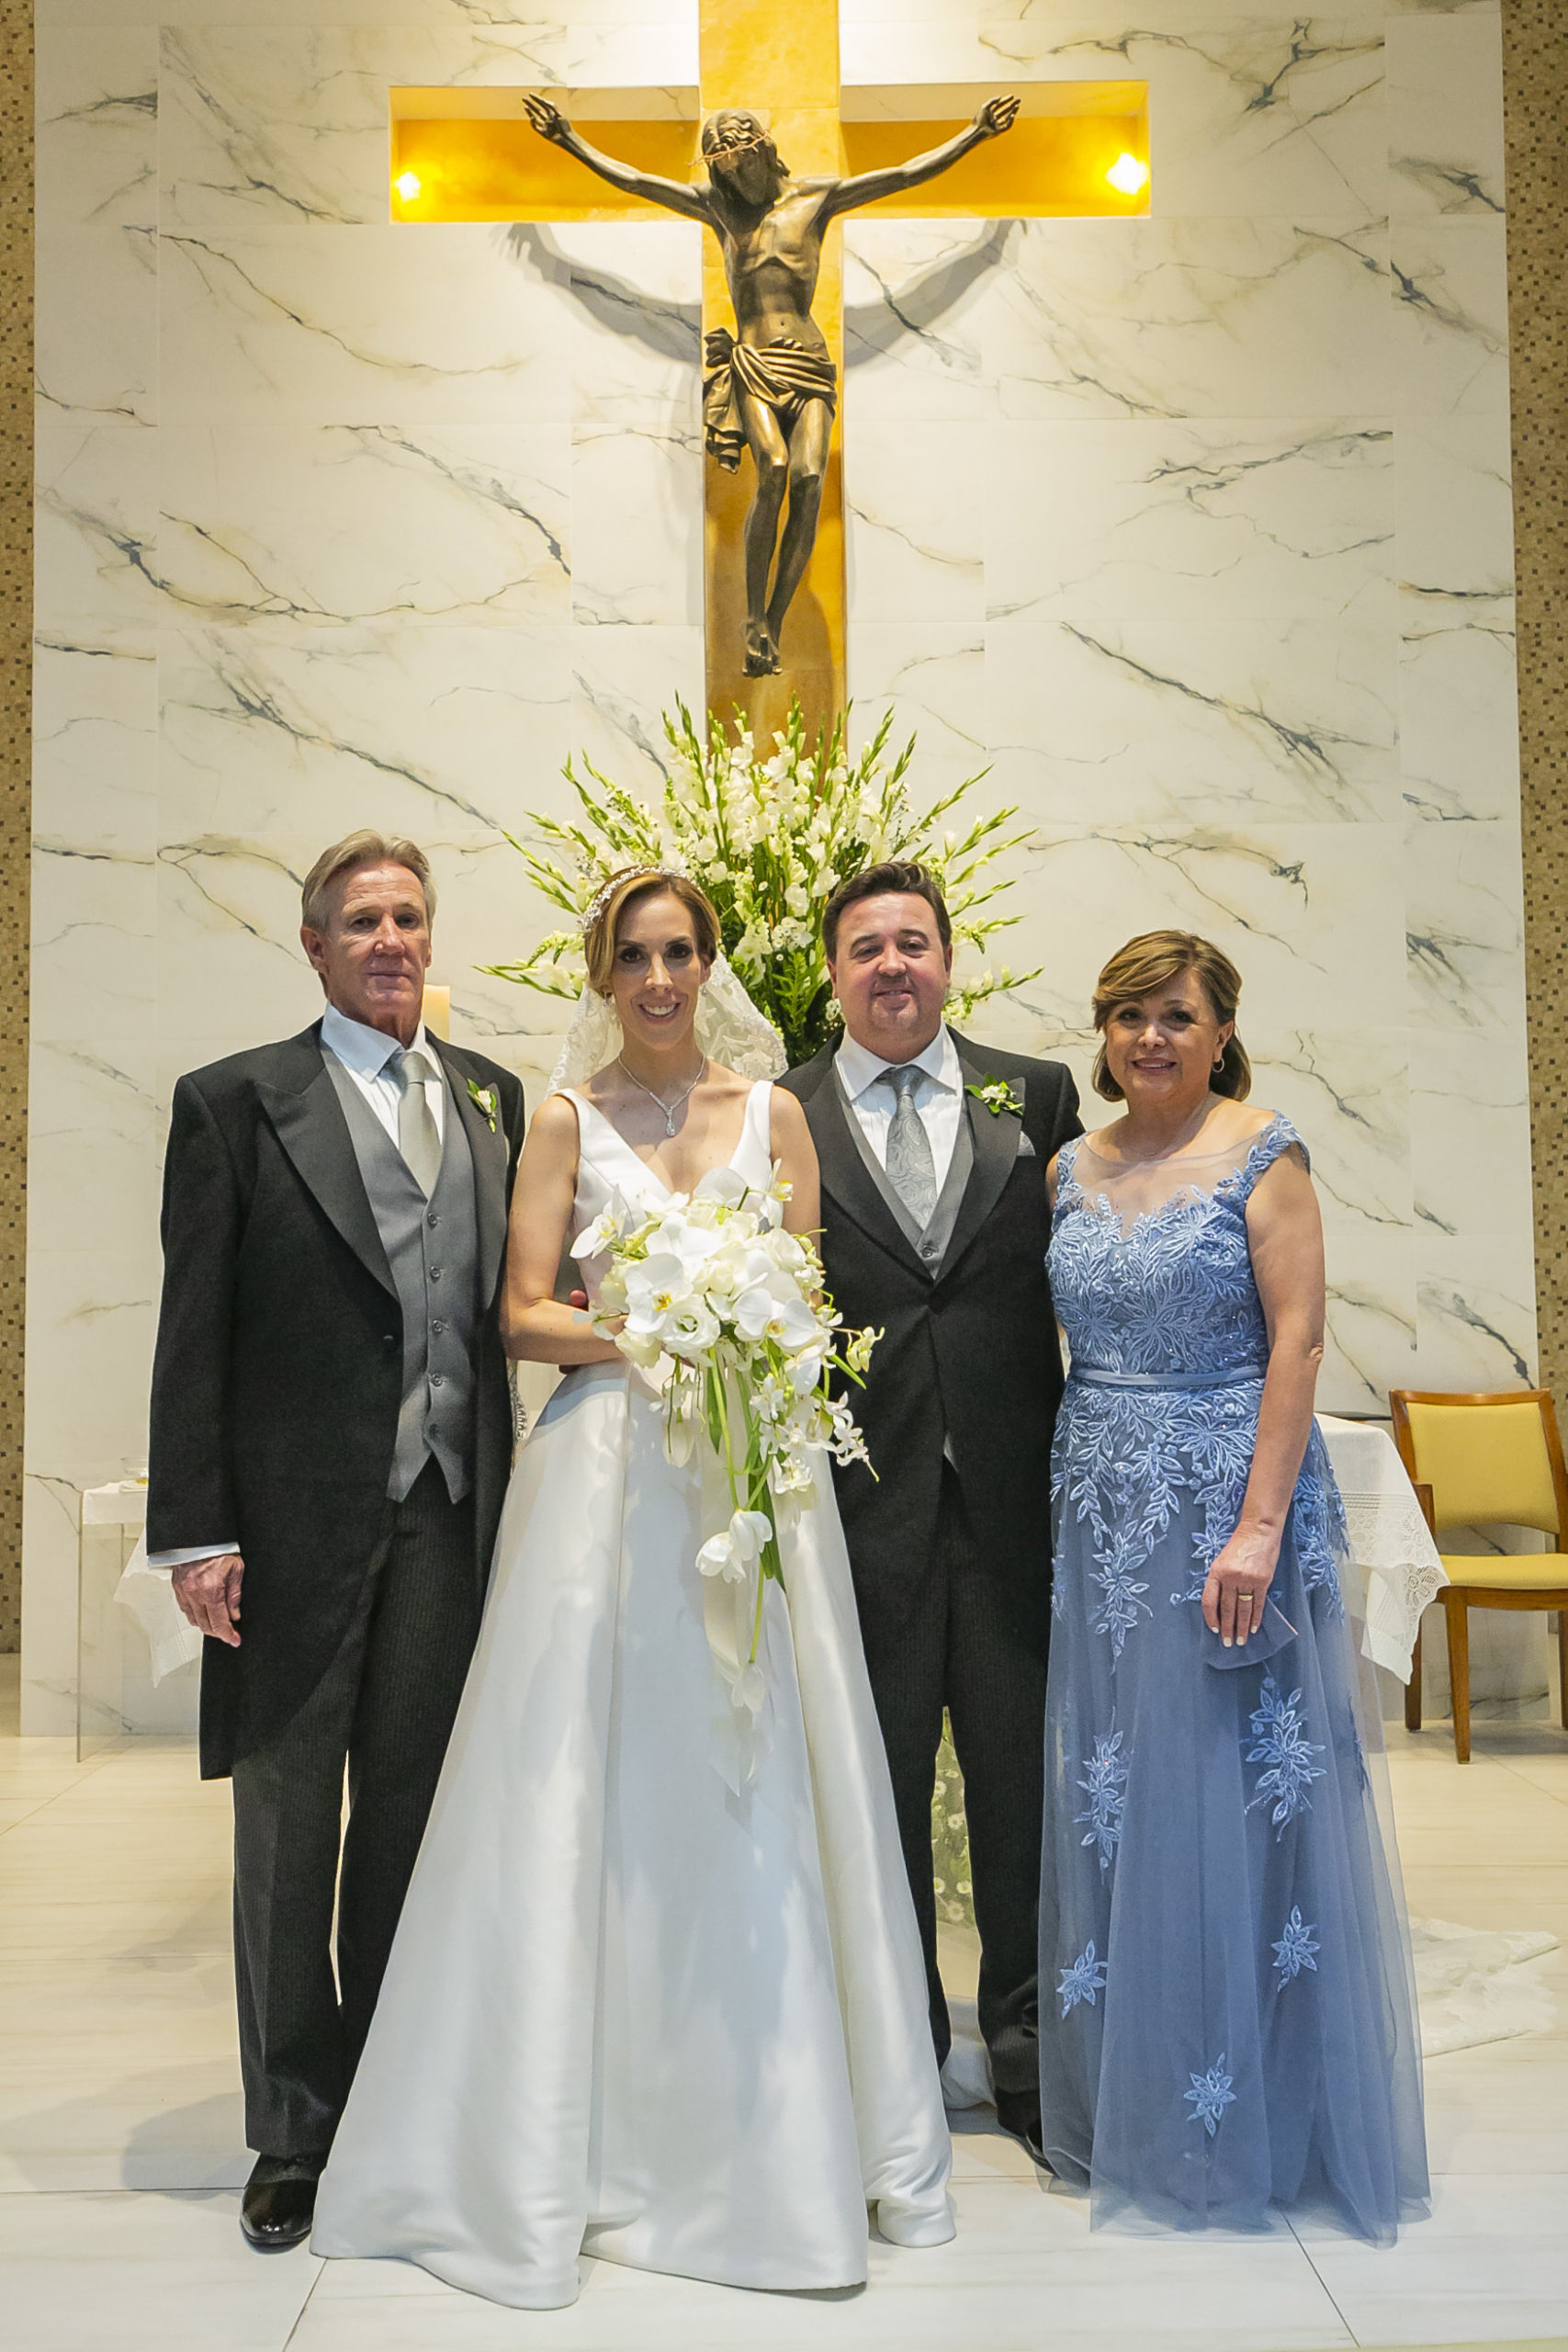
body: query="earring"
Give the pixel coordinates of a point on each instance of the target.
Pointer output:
(1219, 1061)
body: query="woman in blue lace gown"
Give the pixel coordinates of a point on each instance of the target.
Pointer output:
(1227, 2007)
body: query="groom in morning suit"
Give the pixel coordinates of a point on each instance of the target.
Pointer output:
(935, 1228)
(331, 1442)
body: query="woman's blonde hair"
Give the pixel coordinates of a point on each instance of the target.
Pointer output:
(1148, 963)
(624, 891)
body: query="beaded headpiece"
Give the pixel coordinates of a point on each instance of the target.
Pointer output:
(606, 890)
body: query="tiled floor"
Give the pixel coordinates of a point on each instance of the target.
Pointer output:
(120, 2148)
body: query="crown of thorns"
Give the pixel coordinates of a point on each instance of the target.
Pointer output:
(606, 890)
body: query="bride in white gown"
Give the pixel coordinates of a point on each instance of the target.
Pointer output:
(632, 2011)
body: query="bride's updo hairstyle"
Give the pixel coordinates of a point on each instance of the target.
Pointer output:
(1149, 962)
(622, 890)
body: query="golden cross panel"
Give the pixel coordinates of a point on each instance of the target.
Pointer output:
(471, 155)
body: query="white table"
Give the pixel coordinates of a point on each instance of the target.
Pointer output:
(117, 1684)
(1389, 1539)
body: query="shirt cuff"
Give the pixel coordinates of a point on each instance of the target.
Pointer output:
(192, 1552)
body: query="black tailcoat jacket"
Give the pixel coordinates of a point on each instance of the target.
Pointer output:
(277, 1379)
(969, 1355)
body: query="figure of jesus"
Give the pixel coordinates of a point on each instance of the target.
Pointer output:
(770, 386)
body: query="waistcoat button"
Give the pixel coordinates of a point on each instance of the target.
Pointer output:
(436, 1273)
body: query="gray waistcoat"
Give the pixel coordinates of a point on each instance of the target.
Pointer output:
(432, 1249)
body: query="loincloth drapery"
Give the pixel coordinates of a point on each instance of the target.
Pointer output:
(783, 374)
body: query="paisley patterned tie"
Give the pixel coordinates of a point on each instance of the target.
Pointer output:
(911, 1171)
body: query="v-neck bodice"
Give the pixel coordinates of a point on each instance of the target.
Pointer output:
(607, 1164)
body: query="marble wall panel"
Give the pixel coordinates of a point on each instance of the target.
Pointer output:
(373, 524)
(96, 530)
(933, 674)
(1451, 316)
(915, 525)
(1246, 653)
(96, 126)
(339, 523)
(406, 326)
(1193, 528)
(672, 23)
(287, 121)
(1234, 317)
(634, 349)
(1164, 716)
(277, 741)
(622, 681)
(1219, 517)
(1445, 113)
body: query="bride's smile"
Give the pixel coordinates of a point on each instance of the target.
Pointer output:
(654, 982)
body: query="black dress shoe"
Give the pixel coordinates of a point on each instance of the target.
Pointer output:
(1019, 2113)
(279, 2202)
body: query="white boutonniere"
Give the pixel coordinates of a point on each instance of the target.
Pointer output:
(998, 1096)
(484, 1099)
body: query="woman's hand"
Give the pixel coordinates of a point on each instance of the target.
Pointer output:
(1238, 1584)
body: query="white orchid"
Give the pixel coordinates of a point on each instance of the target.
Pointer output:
(761, 1313)
(614, 1222)
(749, 1689)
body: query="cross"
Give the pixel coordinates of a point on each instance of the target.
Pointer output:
(1078, 148)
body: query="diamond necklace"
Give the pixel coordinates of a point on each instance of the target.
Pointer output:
(669, 1109)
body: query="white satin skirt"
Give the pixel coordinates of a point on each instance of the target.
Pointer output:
(629, 2012)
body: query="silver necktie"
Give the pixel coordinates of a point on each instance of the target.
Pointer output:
(417, 1138)
(911, 1171)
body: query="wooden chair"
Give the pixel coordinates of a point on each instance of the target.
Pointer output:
(1480, 1459)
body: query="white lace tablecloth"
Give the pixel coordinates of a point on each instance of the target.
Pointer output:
(1389, 1539)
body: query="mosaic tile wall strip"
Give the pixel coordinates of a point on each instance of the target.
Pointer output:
(1535, 86)
(16, 756)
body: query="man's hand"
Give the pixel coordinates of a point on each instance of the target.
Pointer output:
(209, 1593)
(1238, 1584)
(995, 117)
(547, 119)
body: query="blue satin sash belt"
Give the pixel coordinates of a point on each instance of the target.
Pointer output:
(1236, 1378)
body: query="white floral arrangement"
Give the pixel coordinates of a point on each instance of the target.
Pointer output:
(769, 834)
(725, 1312)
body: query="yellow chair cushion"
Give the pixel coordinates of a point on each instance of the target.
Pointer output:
(1487, 1465)
(1523, 1572)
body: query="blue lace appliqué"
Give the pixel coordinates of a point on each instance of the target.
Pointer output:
(1083, 1981)
(1282, 1744)
(1105, 1786)
(1209, 2096)
(1173, 1293)
(1296, 1949)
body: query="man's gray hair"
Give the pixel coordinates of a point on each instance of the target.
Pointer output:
(347, 856)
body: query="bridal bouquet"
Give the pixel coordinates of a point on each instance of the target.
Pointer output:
(725, 1312)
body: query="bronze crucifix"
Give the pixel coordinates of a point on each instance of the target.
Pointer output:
(772, 385)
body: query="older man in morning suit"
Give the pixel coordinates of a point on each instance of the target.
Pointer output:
(933, 1154)
(331, 1442)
